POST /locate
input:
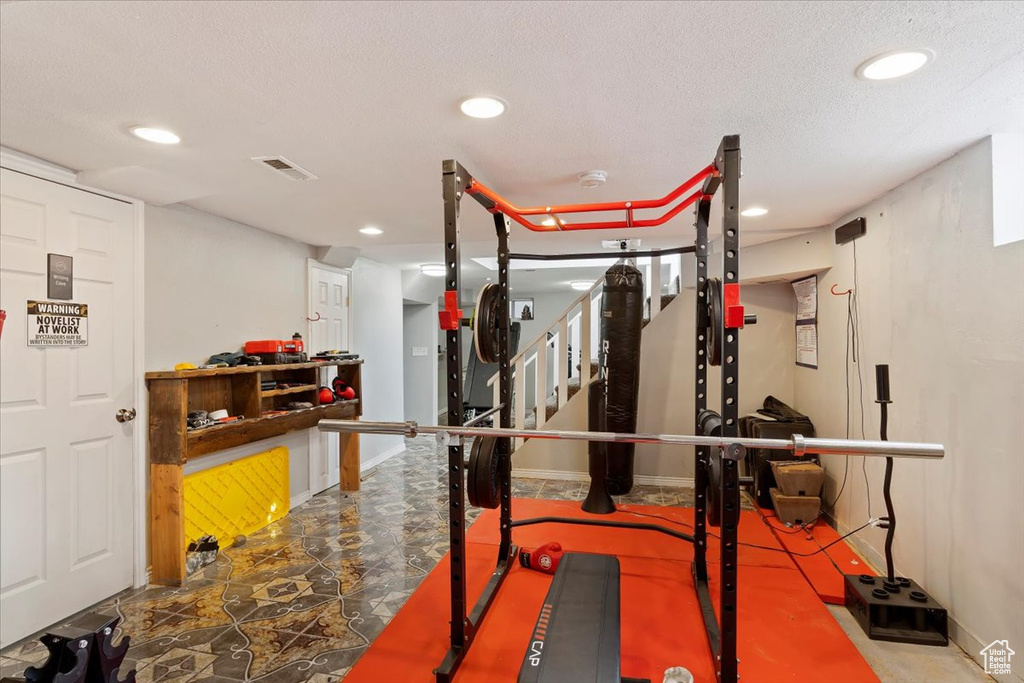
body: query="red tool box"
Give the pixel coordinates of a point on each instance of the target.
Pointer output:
(253, 348)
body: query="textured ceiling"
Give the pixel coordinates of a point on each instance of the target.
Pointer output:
(365, 95)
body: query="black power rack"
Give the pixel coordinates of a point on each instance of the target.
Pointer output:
(724, 174)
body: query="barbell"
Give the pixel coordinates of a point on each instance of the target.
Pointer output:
(732, 446)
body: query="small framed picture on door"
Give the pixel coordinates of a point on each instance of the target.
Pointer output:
(522, 309)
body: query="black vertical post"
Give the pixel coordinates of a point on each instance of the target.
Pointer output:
(453, 187)
(728, 162)
(504, 446)
(701, 453)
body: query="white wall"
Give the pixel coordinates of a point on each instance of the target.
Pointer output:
(767, 357)
(546, 306)
(378, 338)
(421, 375)
(212, 284)
(554, 458)
(945, 309)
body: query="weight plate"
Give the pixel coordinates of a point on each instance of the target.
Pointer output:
(483, 481)
(486, 332)
(713, 340)
(714, 498)
(471, 475)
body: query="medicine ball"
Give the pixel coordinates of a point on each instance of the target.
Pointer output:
(342, 391)
(326, 395)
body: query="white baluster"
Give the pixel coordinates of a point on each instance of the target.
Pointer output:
(675, 270)
(585, 341)
(520, 392)
(554, 363)
(561, 354)
(655, 286)
(575, 362)
(541, 388)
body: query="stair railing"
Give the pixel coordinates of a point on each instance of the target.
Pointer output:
(577, 315)
(580, 319)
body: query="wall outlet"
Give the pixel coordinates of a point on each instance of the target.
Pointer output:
(420, 351)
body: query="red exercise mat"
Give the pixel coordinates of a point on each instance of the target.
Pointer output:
(785, 632)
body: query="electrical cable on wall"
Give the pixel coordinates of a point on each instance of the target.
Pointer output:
(853, 354)
(849, 322)
(860, 377)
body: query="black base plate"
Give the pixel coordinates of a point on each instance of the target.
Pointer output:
(902, 613)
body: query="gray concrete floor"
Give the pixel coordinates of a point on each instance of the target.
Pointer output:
(905, 663)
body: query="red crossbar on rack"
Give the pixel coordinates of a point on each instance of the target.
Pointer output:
(519, 214)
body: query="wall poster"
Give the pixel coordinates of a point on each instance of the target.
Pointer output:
(806, 291)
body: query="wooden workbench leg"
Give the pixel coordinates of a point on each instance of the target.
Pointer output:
(348, 447)
(167, 524)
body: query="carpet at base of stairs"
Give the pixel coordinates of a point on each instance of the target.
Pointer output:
(785, 632)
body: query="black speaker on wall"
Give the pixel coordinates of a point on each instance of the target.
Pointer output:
(851, 231)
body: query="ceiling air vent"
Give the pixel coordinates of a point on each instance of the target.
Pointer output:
(286, 168)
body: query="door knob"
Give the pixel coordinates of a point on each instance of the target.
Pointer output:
(125, 415)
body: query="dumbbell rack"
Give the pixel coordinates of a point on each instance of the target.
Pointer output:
(82, 651)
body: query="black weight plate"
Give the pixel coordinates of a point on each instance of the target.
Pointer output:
(471, 474)
(483, 485)
(715, 488)
(486, 335)
(713, 300)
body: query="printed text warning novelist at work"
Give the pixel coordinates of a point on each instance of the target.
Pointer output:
(57, 323)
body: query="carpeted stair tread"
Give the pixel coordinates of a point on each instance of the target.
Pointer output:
(552, 403)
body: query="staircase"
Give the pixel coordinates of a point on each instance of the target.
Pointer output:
(572, 387)
(571, 337)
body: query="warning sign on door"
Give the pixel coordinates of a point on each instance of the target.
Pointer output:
(58, 323)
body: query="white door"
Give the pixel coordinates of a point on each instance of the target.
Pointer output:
(328, 331)
(66, 511)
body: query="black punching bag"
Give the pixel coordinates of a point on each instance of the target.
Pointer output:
(622, 309)
(597, 501)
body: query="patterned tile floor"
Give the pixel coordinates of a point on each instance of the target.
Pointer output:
(303, 598)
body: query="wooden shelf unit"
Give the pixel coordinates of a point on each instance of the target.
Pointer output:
(172, 395)
(301, 389)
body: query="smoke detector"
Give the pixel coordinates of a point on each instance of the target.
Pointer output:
(286, 168)
(589, 179)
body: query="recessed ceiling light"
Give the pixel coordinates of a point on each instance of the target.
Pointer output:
(433, 269)
(894, 64)
(483, 107)
(754, 211)
(371, 230)
(158, 135)
(548, 221)
(581, 285)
